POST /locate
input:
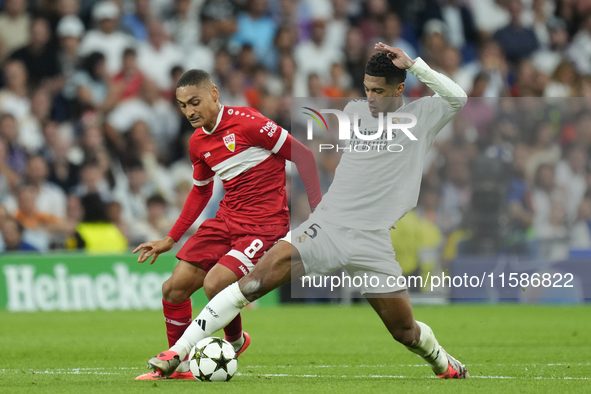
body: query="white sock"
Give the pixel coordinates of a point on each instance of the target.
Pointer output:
(237, 344)
(429, 350)
(220, 311)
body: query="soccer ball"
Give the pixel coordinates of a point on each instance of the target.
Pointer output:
(213, 360)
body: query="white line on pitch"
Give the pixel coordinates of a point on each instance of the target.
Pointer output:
(321, 366)
(100, 371)
(406, 377)
(412, 365)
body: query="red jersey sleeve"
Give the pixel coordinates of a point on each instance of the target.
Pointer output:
(195, 204)
(198, 197)
(293, 150)
(265, 132)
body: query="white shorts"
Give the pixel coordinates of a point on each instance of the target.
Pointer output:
(325, 247)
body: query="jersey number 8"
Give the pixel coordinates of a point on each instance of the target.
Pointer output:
(254, 247)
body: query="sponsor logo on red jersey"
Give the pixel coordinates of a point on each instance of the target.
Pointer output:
(270, 128)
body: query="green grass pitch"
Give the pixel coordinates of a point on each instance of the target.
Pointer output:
(307, 349)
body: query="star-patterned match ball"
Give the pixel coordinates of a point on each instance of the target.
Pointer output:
(213, 360)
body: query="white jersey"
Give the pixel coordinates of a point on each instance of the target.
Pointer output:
(373, 189)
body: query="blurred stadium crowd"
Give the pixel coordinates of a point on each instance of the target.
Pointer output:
(93, 148)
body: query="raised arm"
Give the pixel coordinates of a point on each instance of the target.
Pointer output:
(443, 86)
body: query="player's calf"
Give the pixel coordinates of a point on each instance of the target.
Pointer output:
(218, 278)
(271, 272)
(407, 335)
(251, 288)
(217, 314)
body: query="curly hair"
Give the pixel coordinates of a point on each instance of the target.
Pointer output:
(380, 65)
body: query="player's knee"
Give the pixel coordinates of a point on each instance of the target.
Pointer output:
(269, 274)
(166, 289)
(213, 285)
(174, 294)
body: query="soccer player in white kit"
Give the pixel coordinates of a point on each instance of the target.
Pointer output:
(350, 227)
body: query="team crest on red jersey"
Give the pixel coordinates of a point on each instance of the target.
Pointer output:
(230, 142)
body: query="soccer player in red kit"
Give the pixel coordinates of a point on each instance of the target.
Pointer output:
(248, 152)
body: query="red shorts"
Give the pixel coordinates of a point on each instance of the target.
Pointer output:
(234, 245)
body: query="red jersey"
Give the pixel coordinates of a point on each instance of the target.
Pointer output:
(242, 149)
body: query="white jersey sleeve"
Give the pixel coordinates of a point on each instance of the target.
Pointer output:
(440, 84)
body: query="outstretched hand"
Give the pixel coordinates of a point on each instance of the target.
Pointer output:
(154, 248)
(397, 55)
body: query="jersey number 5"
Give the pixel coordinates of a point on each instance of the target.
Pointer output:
(314, 231)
